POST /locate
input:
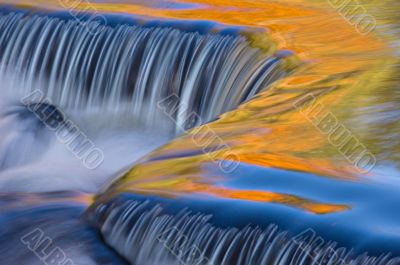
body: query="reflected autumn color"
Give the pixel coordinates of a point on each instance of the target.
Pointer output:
(340, 66)
(336, 66)
(353, 76)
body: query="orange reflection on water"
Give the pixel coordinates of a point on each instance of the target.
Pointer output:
(17, 200)
(178, 186)
(267, 196)
(268, 131)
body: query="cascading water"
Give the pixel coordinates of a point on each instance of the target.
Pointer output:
(115, 86)
(132, 87)
(170, 238)
(133, 67)
(110, 85)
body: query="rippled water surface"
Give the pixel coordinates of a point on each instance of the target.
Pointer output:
(231, 132)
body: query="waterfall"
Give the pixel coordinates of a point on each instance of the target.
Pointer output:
(127, 89)
(147, 77)
(145, 232)
(132, 72)
(128, 68)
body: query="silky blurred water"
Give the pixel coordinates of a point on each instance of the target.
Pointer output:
(288, 174)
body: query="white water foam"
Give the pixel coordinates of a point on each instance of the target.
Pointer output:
(34, 160)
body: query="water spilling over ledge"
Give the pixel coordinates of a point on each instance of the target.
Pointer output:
(131, 68)
(177, 205)
(173, 236)
(142, 80)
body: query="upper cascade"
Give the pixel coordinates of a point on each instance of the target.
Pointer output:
(133, 68)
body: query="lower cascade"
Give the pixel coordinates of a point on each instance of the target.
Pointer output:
(96, 168)
(146, 233)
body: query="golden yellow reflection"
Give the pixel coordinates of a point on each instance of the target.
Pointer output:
(341, 67)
